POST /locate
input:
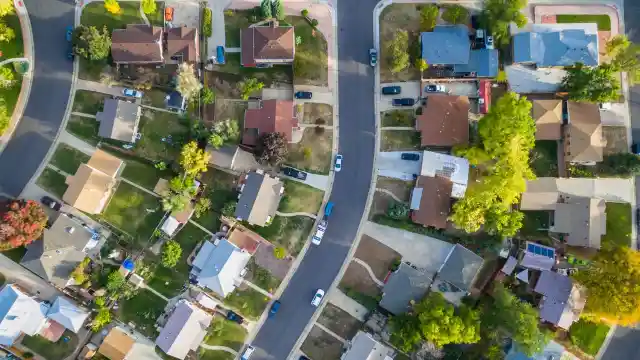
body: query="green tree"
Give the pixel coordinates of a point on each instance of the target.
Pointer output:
(626, 59)
(428, 17)
(405, 332)
(421, 65)
(193, 159)
(619, 165)
(617, 44)
(171, 254)
(149, 6)
(173, 202)
(207, 25)
(248, 87)
(216, 140)
(5, 118)
(6, 33)
(591, 84)
(207, 96)
(91, 43)
(99, 301)
(304, 12)
(398, 49)
(229, 209)
(278, 10)
(115, 281)
(101, 320)
(498, 14)
(6, 7)
(202, 206)
(398, 210)
(455, 14)
(7, 77)
(187, 83)
(265, 9)
(78, 274)
(279, 252)
(272, 148)
(112, 6)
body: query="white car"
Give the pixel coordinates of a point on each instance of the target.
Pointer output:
(338, 166)
(317, 237)
(435, 88)
(247, 353)
(317, 298)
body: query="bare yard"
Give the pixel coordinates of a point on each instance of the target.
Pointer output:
(399, 118)
(616, 139)
(357, 278)
(398, 140)
(380, 204)
(377, 255)
(229, 110)
(319, 345)
(319, 114)
(392, 19)
(339, 321)
(401, 189)
(313, 152)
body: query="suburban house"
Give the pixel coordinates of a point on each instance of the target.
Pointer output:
(562, 300)
(406, 285)
(137, 44)
(548, 117)
(583, 138)
(267, 44)
(523, 79)
(557, 45)
(449, 46)
(177, 219)
(232, 157)
(245, 239)
(119, 120)
(364, 347)
(454, 168)
(269, 116)
(19, 314)
(116, 345)
(90, 188)
(259, 198)
(182, 44)
(456, 276)
(63, 247)
(430, 201)
(219, 266)
(185, 330)
(444, 121)
(176, 102)
(67, 314)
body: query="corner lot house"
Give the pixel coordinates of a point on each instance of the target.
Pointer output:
(562, 302)
(137, 44)
(19, 314)
(583, 139)
(91, 187)
(182, 44)
(260, 195)
(444, 121)
(184, 331)
(270, 116)
(548, 117)
(551, 45)
(364, 346)
(63, 247)
(218, 266)
(267, 44)
(119, 120)
(404, 285)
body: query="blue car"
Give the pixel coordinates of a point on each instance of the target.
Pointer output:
(274, 308)
(220, 54)
(69, 33)
(132, 93)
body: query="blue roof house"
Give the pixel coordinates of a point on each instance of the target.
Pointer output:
(446, 45)
(483, 62)
(564, 47)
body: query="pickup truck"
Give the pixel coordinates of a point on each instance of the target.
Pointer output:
(322, 226)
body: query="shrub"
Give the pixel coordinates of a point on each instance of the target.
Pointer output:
(304, 12)
(171, 253)
(314, 22)
(398, 211)
(207, 30)
(27, 355)
(306, 152)
(279, 252)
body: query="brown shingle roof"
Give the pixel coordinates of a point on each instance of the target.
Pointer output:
(116, 345)
(548, 117)
(137, 44)
(583, 139)
(444, 121)
(265, 44)
(183, 41)
(435, 201)
(272, 116)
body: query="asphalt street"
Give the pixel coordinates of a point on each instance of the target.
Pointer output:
(321, 264)
(47, 102)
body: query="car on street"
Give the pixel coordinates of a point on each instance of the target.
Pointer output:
(373, 57)
(635, 149)
(435, 88)
(69, 34)
(303, 95)
(317, 298)
(132, 93)
(233, 316)
(338, 165)
(274, 308)
(403, 102)
(70, 53)
(295, 173)
(51, 203)
(489, 42)
(247, 353)
(316, 239)
(391, 90)
(410, 156)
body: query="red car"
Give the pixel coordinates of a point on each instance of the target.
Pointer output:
(168, 14)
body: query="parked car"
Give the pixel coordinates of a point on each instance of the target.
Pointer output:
(220, 55)
(49, 202)
(410, 156)
(168, 14)
(317, 298)
(231, 315)
(635, 149)
(70, 52)
(488, 43)
(338, 166)
(316, 239)
(303, 95)
(247, 353)
(132, 93)
(69, 34)
(403, 102)
(274, 308)
(391, 90)
(289, 171)
(373, 57)
(435, 88)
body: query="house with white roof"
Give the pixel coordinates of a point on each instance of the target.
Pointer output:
(67, 314)
(364, 347)
(19, 314)
(218, 266)
(185, 330)
(453, 168)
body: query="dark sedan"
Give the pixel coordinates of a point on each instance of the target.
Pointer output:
(231, 315)
(303, 95)
(410, 156)
(404, 102)
(391, 90)
(289, 171)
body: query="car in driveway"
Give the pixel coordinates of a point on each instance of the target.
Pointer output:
(338, 165)
(432, 88)
(233, 316)
(391, 90)
(69, 34)
(274, 308)
(373, 57)
(51, 203)
(403, 102)
(303, 95)
(294, 173)
(410, 156)
(317, 298)
(132, 93)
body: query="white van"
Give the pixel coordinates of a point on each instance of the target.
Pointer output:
(247, 353)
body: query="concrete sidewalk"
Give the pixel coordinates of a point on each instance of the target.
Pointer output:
(354, 308)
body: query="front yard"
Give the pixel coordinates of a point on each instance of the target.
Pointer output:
(399, 118)
(319, 114)
(618, 224)
(320, 345)
(224, 78)
(52, 181)
(94, 14)
(247, 302)
(339, 321)
(300, 197)
(88, 102)
(68, 159)
(262, 277)
(588, 336)
(310, 66)
(84, 128)
(234, 22)
(313, 152)
(358, 285)
(398, 140)
(143, 309)
(223, 332)
(287, 232)
(544, 158)
(603, 21)
(393, 18)
(378, 256)
(52, 350)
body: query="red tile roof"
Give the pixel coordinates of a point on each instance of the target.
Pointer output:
(137, 44)
(444, 121)
(264, 44)
(183, 41)
(272, 116)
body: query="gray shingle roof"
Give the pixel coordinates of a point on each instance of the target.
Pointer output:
(557, 48)
(119, 120)
(259, 199)
(404, 285)
(563, 301)
(446, 45)
(460, 268)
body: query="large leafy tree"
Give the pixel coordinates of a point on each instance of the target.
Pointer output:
(91, 43)
(115, 281)
(272, 148)
(428, 17)
(193, 159)
(103, 317)
(187, 83)
(227, 131)
(112, 6)
(613, 285)
(149, 6)
(455, 14)
(171, 254)
(398, 49)
(6, 7)
(592, 84)
(498, 14)
(507, 135)
(249, 86)
(6, 33)
(21, 222)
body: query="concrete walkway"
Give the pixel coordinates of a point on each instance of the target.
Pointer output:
(74, 142)
(201, 227)
(317, 181)
(83, 115)
(155, 292)
(219, 348)
(257, 288)
(369, 270)
(406, 128)
(313, 216)
(101, 88)
(325, 329)
(354, 308)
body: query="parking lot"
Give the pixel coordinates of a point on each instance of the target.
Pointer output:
(391, 165)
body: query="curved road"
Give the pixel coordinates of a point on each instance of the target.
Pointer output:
(321, 264)
(47, 102)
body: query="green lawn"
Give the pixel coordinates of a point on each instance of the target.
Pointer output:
(12, 49)
(52, 181)
(588, 336)
(603, 21)
(143, 309)
(313, 152)
(234, 21)
(84, 128)
(214, 355)
(249, 302)
(68, 159)
(365, 300)
(154, 97)
(399, 118)
(223, 332)
(544, 158)
(15, 254)
(52, 350)
(407, 225)
(162, 134)
(310, 66)
(220, 190)
(94, 14)
(266, 75)
(535, 225)
(138, 170)
(397, 140)
(88, 102)
(287, 232)
(133, 211)
(300, 197)
(262, 277)
(618, 224)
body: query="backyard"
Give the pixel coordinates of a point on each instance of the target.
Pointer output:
(234, 22)
(143, 309)
(544, 158)
(136, 170)
(88, 102)
(223, 332)
(299, 197)
(84, 128)
(310, 66)
(52, 181)
(618, 224)
(397, 140)
(220, 189)
(52, 350)
(399, 118)
(588, 336)
(162, 134)
(287, 232)
(393, 18)
(535, 225)
(247, 302)
(12, 49)
(233, 72)
(68, 159)
(313, 152)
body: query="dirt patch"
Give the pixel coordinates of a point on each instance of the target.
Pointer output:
(399, 140)
(380, 204)
(265, 258)
(616, 138)
(399, 118)
(319, 114)
(357, 279)
(316, 145)
(319, 345)
(339, 321)
(224, 109)
(398, 17)
(377, 255)
(399, 188)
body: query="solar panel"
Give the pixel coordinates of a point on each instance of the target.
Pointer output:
(540, 250)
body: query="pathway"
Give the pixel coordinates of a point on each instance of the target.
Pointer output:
(354, 308)
(369, 270)
(388, 192)
(406, 128)
(201, 227)
(74, 142)
(83, 115)
(219, 348)
(313, 216)
(12, 60)
(325, 329)
(155, 292)
(157, 109)
(101, 88)
(257, 288)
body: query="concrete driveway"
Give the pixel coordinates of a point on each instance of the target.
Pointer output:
(410, 89)
(321, 94)
(277, 94)
(315, 180)
(460, 88)
(185, 13)
(391, 165)
(15, 273)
